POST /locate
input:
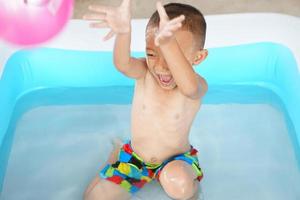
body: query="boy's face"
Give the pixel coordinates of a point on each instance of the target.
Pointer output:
(156, 62)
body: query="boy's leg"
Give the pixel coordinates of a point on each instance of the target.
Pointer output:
(179, 180)
(106, 190)
(100, 189)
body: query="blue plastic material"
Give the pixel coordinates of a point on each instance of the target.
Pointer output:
(50, 76)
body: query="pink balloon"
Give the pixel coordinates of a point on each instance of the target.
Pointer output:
(30, 22)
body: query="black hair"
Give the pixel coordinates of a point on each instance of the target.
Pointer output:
(194, 20)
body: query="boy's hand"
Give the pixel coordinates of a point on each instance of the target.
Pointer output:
(167, 27)
(116, 18)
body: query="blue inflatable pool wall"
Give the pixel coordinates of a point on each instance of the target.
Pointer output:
(54, 76)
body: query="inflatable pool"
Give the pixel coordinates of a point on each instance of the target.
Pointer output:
(244, 67)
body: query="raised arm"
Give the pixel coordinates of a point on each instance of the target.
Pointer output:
(118, 19)
(188, 81)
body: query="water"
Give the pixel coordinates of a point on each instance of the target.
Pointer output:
(245, 152)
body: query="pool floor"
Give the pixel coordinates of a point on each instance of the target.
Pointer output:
(245, 152)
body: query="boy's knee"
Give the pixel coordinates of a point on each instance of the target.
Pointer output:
(177, 181)
(183, 189)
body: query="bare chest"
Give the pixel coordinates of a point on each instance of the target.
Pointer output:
(167, 111)
(160, 120)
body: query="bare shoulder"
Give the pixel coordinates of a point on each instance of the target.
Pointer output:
(203, 85)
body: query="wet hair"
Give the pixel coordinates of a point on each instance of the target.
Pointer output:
(194, 20)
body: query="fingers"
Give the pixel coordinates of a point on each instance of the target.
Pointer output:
(178, 19)
(99, 25)
(168, 30)
(98, 8)
(162, 37)
(126, 3)
(100, 14)
(161, 11)
(173, 27)
(103, 25)
(167, 34)
(109, 35)
(94, 16)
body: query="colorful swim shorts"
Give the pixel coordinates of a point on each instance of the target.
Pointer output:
(132, 173)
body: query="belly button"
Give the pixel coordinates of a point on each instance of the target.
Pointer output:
(144, 107)
(177, 116)
(153, 160)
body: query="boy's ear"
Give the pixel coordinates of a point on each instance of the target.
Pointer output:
(200, 56)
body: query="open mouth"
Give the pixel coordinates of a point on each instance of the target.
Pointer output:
(165, 80)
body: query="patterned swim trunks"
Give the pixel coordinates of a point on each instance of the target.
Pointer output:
(132, 173)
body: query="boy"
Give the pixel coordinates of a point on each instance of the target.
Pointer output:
(167, 96)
